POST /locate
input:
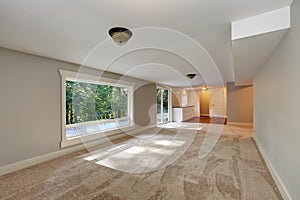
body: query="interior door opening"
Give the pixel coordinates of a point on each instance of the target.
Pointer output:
(204, 103)
(163, 97)
(213, 106)
(218, 103)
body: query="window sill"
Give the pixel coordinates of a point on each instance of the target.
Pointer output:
(95, 136)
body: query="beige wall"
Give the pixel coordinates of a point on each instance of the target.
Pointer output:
(239, 103)
(204, 103)
(176, 98)
(193, 97)
(145, 105)
(277, 108)
(30, 105)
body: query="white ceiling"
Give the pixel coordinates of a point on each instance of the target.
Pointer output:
(144, 62)
(69, 30)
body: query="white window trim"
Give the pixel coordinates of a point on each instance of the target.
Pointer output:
(93, 79)
(169, 103)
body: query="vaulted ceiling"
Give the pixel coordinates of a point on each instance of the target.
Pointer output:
(71, 30)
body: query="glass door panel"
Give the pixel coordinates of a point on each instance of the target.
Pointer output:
(163, 106)
(165, 101)
(159, 105)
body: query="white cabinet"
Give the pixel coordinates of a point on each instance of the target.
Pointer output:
(183, 113)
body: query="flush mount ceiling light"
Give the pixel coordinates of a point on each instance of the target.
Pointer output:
(203, 88)
(120, 35)
(191, 76)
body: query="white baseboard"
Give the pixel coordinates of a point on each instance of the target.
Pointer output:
(240, 124)
(38, 159)
(138, 130)
(43, 158)
(283, 190)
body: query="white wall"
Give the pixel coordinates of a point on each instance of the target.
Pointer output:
(176, 97)
(30, 104)
(277, 107)
(218, 102)
(194, 100)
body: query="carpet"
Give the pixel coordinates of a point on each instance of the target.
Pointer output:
(162, 163)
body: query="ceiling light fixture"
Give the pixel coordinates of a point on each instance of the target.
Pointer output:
(191, 76)
(203, 88)
(120, 35)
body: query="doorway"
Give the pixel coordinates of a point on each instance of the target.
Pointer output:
(213, 103)
(217, 103)
(163, 98)
(204, 103)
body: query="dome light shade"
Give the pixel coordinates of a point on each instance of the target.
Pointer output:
(120, 35)
(191, 76)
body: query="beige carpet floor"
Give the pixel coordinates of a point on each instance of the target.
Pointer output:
(164, 165)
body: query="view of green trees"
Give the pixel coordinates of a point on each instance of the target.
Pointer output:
(162, 94)
(90, 102)
(162, 99)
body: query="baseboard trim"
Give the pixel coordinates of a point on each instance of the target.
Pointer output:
(204, 115)
(283, 190)
(43, 158)
(38, 159)
(138, 130)
(240, 124)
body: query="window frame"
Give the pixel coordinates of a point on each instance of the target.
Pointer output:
(160, 87)
(92, 79)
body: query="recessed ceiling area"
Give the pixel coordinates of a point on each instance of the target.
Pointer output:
(70, 31)
(157, 66)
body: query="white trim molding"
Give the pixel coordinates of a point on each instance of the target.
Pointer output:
(96, 136)
(242, 124)
(46, 157)
(92, 79)
(43, 158)
(283, 190)
(37, 160)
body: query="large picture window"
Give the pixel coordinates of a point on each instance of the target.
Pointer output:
(92, 106)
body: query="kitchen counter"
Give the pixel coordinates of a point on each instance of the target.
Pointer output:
(183, 113)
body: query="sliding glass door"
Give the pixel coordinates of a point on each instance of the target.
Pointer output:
(163, 105)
